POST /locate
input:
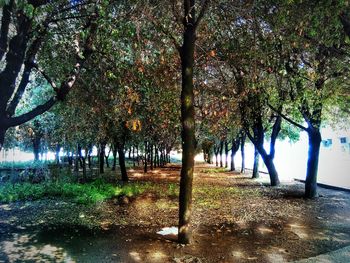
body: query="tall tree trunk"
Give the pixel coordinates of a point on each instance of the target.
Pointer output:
(57, 153)
(268, 161)
(114, 152)
(187, 121)
(76, 162)
(36, 147)
(315, 139)
(243, 137)
(145, 158)
(121, 156)
(221, 153)
(234, 149)
(137, 155)
(2, 137)
(232, 167)
(256, 163)
(102, 157)
(69, 158)
(226, 154)
(84, 164)
(89, 156)
(151, 156)
(80, 156)
(133, 156)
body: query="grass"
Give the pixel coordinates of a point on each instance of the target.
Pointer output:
(215, 170)
(88, 193)
(212, 196)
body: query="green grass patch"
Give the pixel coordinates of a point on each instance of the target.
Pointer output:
(214, 170)
(88, 193)
(212, 196)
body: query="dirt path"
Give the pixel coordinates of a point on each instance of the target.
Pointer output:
(235, 219)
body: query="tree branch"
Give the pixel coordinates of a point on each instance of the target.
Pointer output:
(205, 4)
(46, 76)
(18, 120)
(287, 118)
(5, 24)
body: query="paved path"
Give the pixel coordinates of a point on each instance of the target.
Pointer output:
(338, 256)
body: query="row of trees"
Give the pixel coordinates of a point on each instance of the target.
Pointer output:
(257, 69)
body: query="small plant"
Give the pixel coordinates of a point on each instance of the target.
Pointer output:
(173, 190)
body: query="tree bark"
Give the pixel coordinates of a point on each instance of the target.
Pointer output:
(188, 122)
(89, 157)
(315, 139)
(151, 156)
(57, 153)
(121, 156)
(256, 163)
(268, 161)
(216, 152)
(243, 137)
(234, 149)
(36, 147)
(114, 152)
(221, 153)
(226, 154)
(145, 158)
(2, 137)
(102, 157)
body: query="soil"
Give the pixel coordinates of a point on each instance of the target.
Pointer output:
(234, 219)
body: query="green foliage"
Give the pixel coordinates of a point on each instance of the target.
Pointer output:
(89, 193)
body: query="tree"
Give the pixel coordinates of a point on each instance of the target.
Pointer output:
(190, 23)
(315, 49)
(34, 21)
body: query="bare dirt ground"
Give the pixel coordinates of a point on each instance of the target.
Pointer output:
(235, 219)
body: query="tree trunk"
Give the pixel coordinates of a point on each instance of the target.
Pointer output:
(121, 155)
(80, 156)
(226, 154)
(234, 149)
(151, 156)
(102, 157)
(233, 167)
(76, 161)
(114, 152)
(57, 153)
(84, 165)
(36, 147)
(137, 155)
(314, 136)
(221, 152)
(268, 161)
(2, 137)
(145, 158)
(243, 137)
(69, 158)
(256, 163)
(89, 156)
(133, 156)
(107, 161)
(188, 123)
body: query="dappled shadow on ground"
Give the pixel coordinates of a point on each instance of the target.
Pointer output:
(235, 219)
